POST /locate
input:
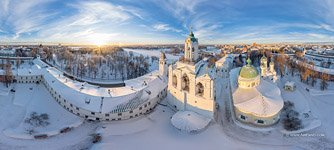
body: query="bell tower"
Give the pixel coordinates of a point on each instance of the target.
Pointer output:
(163, 65)
(271, 65)
(191, 48)
(264, 66)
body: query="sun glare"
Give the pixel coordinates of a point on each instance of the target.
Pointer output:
(98, 39)
(99, 43)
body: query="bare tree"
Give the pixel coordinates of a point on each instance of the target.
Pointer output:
(8, 73)
(324, 79)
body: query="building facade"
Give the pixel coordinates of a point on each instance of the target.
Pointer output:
(192, 82)
(69, 100)
(257, 101)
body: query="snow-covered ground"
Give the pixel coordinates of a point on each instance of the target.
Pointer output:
(156, 53)
(35, 98)
(155, 131)
(318, 104)
(28, 98)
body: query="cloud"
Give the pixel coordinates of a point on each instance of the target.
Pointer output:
(93, 20)
(164, 27)
(4, 6)
(27, 16)
(180, 9)
(95, 12)
(327, 27)
(212, 21)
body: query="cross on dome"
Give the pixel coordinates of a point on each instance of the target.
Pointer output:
(249, 61)
(191, 34)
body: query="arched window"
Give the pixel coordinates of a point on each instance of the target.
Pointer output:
(174, 81)
(199, 89)
(185, 83)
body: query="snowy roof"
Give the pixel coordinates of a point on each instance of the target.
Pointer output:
(264, 100)
(200, 69)
(318, 68)
(7, 51)
(189, 121)
(205, 69)
(98, 99)
(248, 72)
(226, 61)
(32, 70)
(25, 69)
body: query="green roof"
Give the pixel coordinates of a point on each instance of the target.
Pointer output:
(191, 34)
(263, 58)
(192, 37)
(248, 71)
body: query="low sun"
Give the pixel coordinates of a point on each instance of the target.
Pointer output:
(98, 39)
(99, 42)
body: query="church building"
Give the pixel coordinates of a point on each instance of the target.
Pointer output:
(191, 81)
(257, 101)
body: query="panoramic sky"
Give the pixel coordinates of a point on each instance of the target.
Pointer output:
(166, 21)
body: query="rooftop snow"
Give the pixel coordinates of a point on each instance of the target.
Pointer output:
(189, 121)
(98, 99)
(263, 100)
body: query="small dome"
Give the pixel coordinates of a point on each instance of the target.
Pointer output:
(271, 63)
(192, 36)
(248, 71)
(263, 58)
(163, 56)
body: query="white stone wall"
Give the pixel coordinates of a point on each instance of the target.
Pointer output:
(188, 47)
(253, 119)
(248, 83)
(163, 67)
(28, 79)
(142, 109)
(177, 97)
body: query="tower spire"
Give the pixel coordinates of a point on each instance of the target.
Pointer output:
(191, 47)
(249, 61)
(191, 34)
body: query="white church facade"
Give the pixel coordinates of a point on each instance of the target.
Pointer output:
(257, 101)
(266, 72)
(196, 85)
(191, 81)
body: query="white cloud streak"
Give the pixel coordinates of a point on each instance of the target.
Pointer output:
(94, 20)
(165, 27)
(91, 20)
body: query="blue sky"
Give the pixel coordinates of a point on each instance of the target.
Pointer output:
(166, 21)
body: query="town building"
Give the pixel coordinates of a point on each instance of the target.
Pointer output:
(266, 72)
(289, 86)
